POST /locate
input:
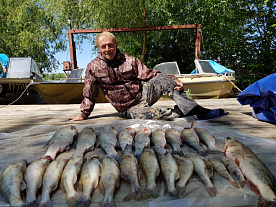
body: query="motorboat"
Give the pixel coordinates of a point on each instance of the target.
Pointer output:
(16, 87)
(209, 80)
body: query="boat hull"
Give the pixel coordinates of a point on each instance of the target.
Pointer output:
(12, 88)
(63, 92)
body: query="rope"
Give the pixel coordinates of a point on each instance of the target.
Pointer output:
(20, 95)
(233, 83)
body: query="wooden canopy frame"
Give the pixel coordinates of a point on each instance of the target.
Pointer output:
(72, 46)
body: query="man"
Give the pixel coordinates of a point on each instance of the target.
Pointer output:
(120, 78)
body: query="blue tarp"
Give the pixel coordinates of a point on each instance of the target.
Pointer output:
(219, 69)
(261, 95)
(4, 59)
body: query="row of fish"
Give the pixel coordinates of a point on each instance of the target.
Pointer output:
(175, 168)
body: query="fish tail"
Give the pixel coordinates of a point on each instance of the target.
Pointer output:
(242, 182)
(108, 204)
(212, 190)
(46, 203)
(174, 193)
(136, 194)
(233, 182)
(31, 204)
(76, 200)
(264, 203)
(148, 193)
(181, 189)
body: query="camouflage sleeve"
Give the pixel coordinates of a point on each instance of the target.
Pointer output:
(144, 73)
(90, 93)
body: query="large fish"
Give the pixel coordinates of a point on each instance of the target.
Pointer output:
(69, 178)
(61, 141)
(129, 172)
(208, 139)
(233, 168)
(126, 137)
(33, 177)
(170, 172)
(158, 139)
(258, 176)
(222, 171)
(150, 167)
(89, 179)
(51, 179)
(85, 141)
(202, 172)
(110, 179)
(189, 136)
(173, 138)
(108, 139)
(12, 183)
(141, 141)
(186, 169)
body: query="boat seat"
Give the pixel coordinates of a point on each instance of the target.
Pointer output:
(203, 66)
(168, 68)
(76, 75)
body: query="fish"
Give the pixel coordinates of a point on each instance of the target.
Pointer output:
(158, 139)
(12, 183)
(150, 167)
(210, 169)
(33, 178)
(85, 141)
(141, 141)
(259, 178)
(126, 137)
(169, 170)
(61, 141)
(186, 169)
(51, 180)
(233, 168)
(129, 172)
(69, 178)
(201, 171)
(222, 171)
(208, 139)
(189, 136)
(108, 139)
(89, 179)
(110, 180)
(173, 138)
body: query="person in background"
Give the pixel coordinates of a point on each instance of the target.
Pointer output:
(121, 76)
(4, 72)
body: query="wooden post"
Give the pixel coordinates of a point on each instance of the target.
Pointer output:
(197, 43)
(72, 46)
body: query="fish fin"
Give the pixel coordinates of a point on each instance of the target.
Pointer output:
(174, 193)
(253, 187)
(136, 194)
(181, 189)
(264, 203)
(214, 151)
(180, 153)
(212, 190)
(47, 203)
(148, 193)
(234, 183)
(242, 182)
(192, 125)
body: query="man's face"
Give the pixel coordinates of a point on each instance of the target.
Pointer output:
(107, 47)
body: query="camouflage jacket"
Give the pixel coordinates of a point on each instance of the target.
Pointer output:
(119, 79)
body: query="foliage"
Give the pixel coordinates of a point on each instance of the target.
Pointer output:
(53, 76)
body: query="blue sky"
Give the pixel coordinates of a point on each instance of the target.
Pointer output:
(84, 56)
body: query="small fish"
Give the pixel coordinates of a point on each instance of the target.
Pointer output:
(210, 169)
(259, 178)
(149, 165)
(170, 172)
(158, 140)
(61, 141)
(51, 179)
(12, 183)
(110, 179)
(186, 169)
(129, 172)
(85, 141)
(233, 168)
(108, 138)
(141, 141)
(189, 136)
(126, 137)
(173, 138)
(222, 171)
(207, 139)
(89, 179)
(69, 178)
(33, 178)
(202, 172)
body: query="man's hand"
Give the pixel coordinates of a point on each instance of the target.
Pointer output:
(179, 83)
(76, 118)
